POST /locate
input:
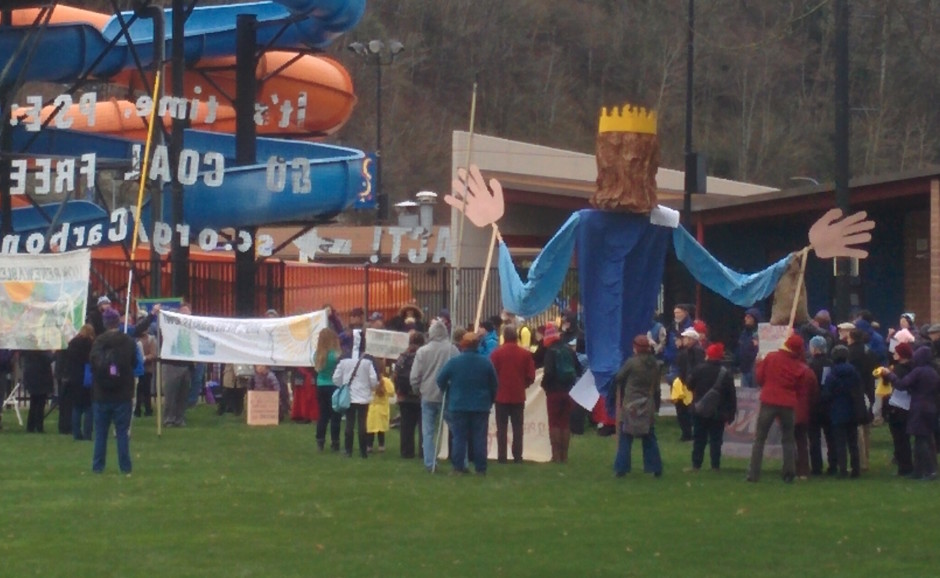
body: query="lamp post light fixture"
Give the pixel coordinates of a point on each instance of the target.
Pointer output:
(811, 180)
(378, 54)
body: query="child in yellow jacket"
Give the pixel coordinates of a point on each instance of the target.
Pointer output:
(377, 422)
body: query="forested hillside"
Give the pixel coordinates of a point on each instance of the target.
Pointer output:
(763, 86)
(763, 81)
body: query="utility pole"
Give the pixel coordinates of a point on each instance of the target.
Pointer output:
(245, 151)
(179, 253)
(842, 169)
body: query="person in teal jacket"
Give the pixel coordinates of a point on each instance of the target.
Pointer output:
(469, 384)
(325, 361)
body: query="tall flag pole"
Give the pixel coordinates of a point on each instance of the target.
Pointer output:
(145, 167)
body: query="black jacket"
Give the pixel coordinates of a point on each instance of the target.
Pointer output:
(688, 359)
(703, 379)
(37, 372)
(126, 353)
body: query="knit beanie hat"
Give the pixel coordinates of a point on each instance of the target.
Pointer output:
(794, 344)
(111, 318)
(840, 353)
(904, 350)
(819, 343)
(715, 351)
(551, 334)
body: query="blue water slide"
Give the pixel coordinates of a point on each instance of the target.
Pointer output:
(210, 32)
(310, 181)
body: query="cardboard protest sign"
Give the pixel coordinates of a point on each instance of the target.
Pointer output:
(263, 407)
(771, 337)
(536, 446)
(386, 344)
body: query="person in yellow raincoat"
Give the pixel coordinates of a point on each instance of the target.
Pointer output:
(377, 422)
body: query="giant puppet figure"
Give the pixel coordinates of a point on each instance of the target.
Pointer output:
(622, 243)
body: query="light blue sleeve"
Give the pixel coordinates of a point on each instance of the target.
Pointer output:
(740, 289)
(545, 277)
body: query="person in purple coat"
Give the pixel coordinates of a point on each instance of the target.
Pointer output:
(923, 383)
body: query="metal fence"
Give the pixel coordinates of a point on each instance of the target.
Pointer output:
(294, 287)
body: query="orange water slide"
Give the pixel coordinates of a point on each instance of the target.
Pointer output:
(299, 93)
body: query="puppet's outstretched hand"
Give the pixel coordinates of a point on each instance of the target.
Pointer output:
(831, 236)
(484, 206)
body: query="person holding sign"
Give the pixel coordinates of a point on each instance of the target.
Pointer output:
(409, 400)
(923, 385)
(113, 356)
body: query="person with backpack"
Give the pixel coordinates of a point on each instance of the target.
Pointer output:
(409, 401)
(561, 371)
(113, 357)
(515, 371)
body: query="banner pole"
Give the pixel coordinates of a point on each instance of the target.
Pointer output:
(799, 285)
(144, 168)
(158, 376)
(440, 433)
(458, 277)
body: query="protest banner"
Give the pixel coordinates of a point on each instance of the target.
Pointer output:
(166, 303)
(770, 337)
(386, 344)
(262, 407)
(43, 299)
(740, 434)
(536, 446)
(283, 341)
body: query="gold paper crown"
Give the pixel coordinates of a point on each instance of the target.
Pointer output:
(628, 119)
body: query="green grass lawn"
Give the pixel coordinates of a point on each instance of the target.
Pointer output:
(221, 499)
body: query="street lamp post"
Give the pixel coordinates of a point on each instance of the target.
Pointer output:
(378, 54)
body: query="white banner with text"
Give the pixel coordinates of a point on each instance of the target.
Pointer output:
(281, 341)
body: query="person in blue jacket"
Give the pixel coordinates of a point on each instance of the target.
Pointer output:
(469, 383)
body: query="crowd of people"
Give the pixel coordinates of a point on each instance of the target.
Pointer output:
(825, 387)
(826, 384)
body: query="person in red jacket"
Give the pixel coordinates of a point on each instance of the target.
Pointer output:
(515, 371)
(780, 375)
